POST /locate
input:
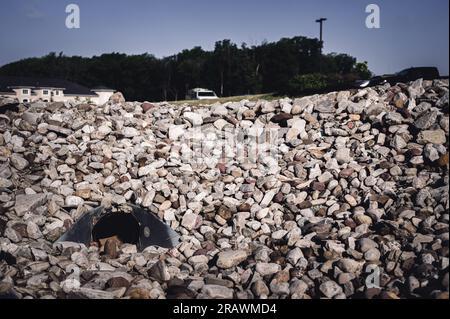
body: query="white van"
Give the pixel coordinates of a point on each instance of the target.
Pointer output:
(201, 94)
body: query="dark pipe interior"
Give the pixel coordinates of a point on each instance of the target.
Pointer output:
(124, 226)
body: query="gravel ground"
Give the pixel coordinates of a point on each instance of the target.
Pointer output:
(342, 195)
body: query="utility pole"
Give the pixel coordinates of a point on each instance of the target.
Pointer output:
(320, 21)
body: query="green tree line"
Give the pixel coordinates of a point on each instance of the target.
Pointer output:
(290, 65)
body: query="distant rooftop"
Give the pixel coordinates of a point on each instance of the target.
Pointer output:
(102, 88)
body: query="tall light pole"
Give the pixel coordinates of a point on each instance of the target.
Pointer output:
(320, 21)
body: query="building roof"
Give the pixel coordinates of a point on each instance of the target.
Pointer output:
(69, 88)
(102, 88)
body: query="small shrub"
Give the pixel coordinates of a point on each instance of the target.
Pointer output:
(316, 83)
(308, 82)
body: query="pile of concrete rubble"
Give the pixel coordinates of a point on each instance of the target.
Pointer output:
(341, 195)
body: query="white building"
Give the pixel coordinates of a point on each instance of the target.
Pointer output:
(51, 90)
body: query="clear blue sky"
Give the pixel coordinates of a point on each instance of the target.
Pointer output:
(412, 33)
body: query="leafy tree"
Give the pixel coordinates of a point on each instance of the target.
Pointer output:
(362, 69)
(290, 64)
